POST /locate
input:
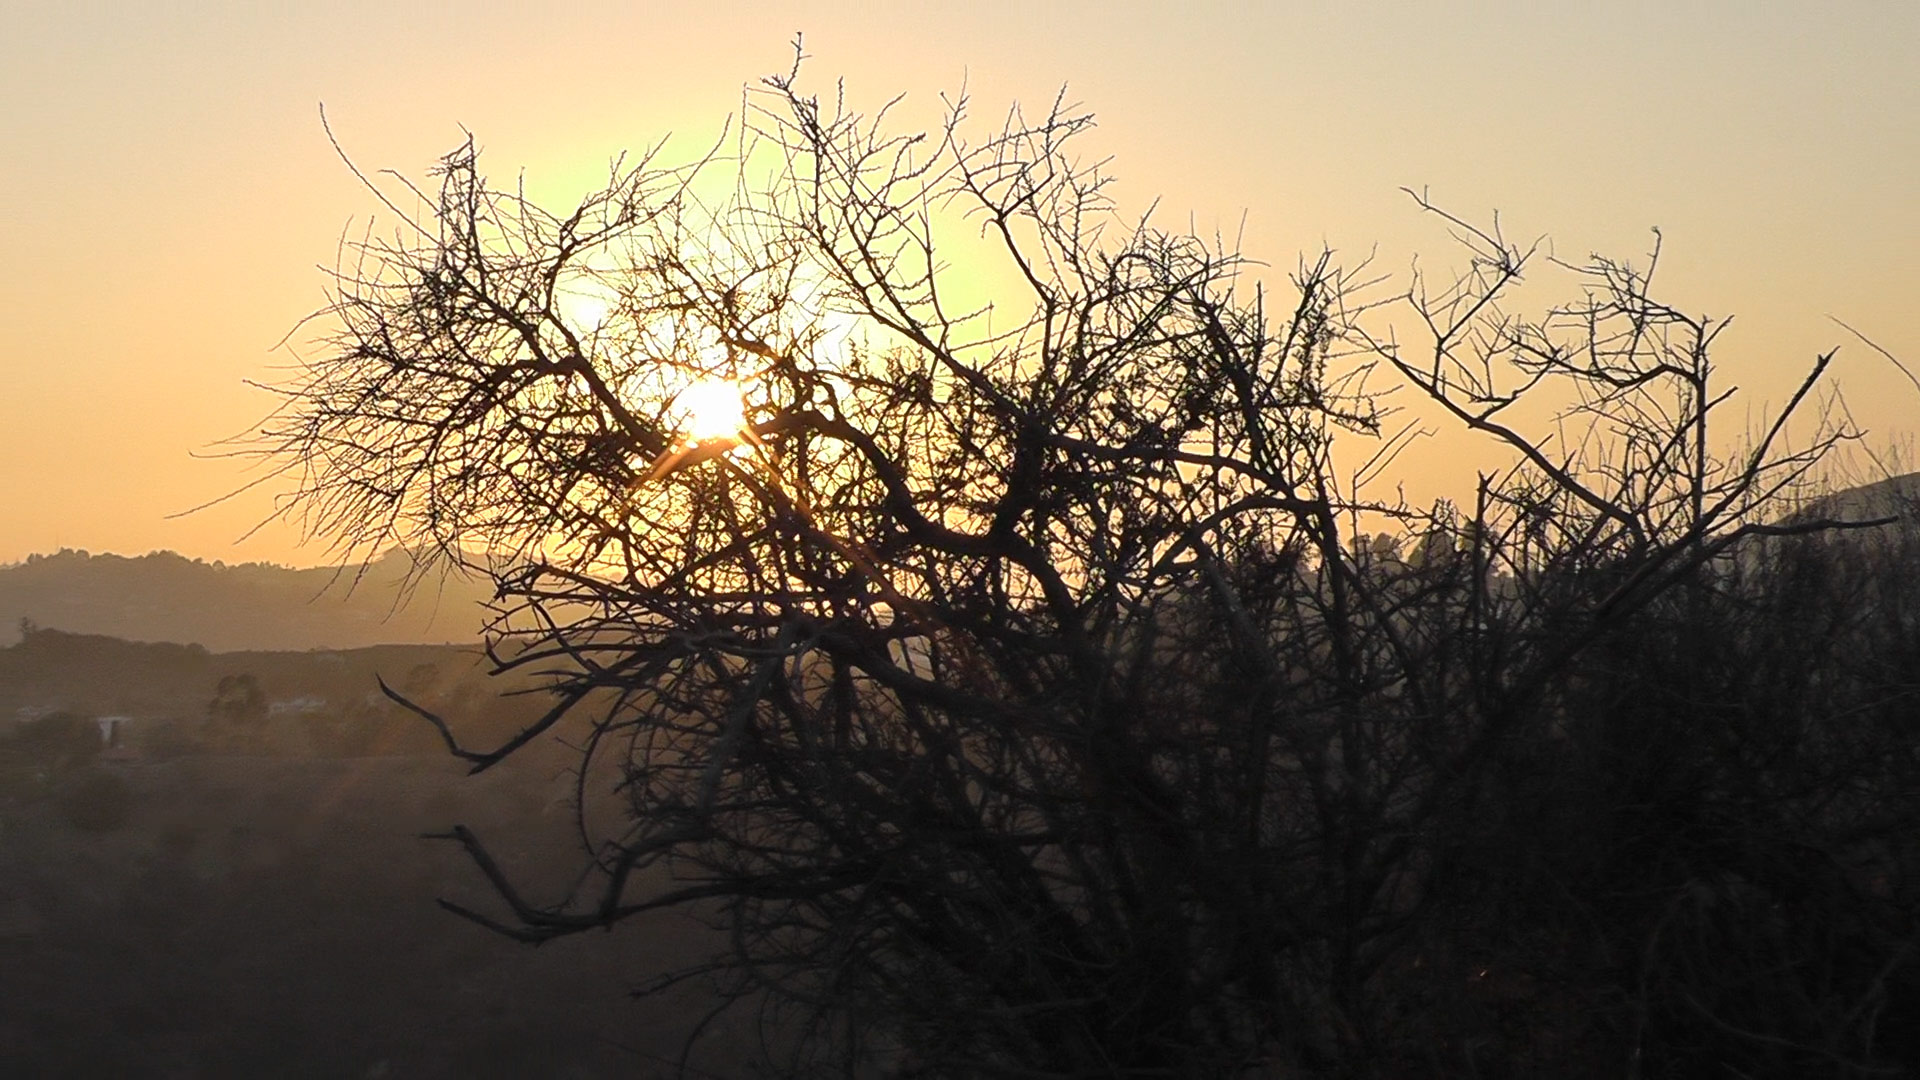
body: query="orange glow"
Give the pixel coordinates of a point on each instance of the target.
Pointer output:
(185, 140)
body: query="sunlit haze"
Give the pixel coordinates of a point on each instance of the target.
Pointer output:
(170, 190)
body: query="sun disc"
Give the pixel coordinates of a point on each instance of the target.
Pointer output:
(713, 410)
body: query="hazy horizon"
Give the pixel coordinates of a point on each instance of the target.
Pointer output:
(171, 188)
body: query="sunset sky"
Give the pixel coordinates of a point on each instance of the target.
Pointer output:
(168, 189)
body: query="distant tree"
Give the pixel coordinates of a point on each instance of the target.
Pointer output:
(1003, 676)
(238, 702)
(421, 679)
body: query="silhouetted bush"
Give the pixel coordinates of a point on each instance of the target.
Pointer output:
(60, 741)
(1016, 682)
(38, 752)
(1699, 855)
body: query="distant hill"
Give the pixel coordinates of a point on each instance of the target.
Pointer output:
(91, 675)
(304, 703)
(1895, 497)
(167, 597)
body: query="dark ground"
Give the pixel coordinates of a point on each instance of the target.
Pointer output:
(274, 916)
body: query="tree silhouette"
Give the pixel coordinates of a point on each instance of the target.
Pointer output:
(1016, 683)
(238, 702)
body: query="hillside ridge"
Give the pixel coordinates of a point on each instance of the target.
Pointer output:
(166, 597)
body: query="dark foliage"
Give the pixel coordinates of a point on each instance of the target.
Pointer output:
(1015, 683)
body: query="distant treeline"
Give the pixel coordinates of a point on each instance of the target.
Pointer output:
(183, 698)
(163, 596)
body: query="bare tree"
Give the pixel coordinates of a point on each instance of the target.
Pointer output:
(1006, 676)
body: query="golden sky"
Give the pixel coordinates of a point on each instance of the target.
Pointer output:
(166, 190)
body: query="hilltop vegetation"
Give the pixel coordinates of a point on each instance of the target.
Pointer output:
(162, 596)
(314, 702)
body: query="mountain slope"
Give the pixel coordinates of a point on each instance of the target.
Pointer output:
(166, 597)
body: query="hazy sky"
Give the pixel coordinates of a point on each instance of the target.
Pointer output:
(166, 189)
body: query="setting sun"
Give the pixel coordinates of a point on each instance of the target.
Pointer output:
(713, 410)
